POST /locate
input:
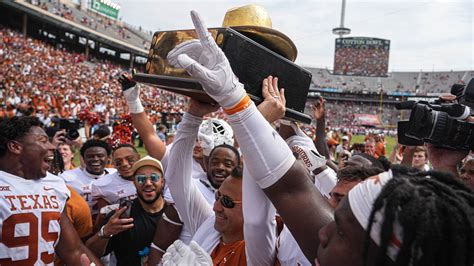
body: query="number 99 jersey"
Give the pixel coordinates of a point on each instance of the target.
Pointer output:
(30, 211)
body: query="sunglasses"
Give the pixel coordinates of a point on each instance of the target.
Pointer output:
(226, 201)
(141, 179)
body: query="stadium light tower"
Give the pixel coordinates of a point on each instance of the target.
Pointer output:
(341, 30)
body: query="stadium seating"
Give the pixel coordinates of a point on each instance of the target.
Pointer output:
(420, 83)
(114, 29)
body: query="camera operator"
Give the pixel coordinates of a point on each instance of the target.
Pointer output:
(445, 126)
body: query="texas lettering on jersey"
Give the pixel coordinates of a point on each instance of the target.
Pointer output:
(30, 212)
(32, 202)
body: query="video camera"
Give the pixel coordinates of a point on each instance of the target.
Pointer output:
(71, 126)
(440, 123)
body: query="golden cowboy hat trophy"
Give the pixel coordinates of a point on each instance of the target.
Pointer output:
(254, 51)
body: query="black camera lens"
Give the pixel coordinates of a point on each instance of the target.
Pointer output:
(72, 134)
(422, 120)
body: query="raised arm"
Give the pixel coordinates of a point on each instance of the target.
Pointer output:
(259, 213)
(131, 91)
(268, 159)
(190, 203)
(319, 114)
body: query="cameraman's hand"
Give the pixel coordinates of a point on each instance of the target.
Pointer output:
(117, 225)
(445, 160)
(131, 92)
(273, 105)
(59, 137)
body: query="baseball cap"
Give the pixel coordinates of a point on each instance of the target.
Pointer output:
(147, 161)
(345, 138)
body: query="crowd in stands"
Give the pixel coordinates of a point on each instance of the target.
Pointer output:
(361, 62)
(419, 83)
(58, 9)
(36, 78)
(342, 113)
(100, 23)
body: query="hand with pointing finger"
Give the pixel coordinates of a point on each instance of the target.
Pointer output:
(206, 62)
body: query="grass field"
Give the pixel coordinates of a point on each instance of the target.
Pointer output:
(356, 138)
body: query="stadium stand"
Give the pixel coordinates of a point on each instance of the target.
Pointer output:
(110, 27)
(420, 83)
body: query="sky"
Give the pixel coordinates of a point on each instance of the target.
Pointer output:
(424, 35)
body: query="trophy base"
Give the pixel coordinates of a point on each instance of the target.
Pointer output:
(193, 89)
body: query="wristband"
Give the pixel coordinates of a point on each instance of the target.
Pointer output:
(157, 247)
(102, 234)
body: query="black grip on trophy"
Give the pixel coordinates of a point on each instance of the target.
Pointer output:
(126, 81)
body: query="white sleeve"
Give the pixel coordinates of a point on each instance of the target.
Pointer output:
(165, 159)
(260, 224)
(325, 181)
(258, 149)
(190, 203)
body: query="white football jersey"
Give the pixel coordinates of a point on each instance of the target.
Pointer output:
(207, 190)
(81, 181)
(113, 187)
(30, 211)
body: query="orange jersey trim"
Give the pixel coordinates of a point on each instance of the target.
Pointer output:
(243, 104)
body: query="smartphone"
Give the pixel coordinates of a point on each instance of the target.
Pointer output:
(122, 203)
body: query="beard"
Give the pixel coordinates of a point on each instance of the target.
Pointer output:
(150, 201)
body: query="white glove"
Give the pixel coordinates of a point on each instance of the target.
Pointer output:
(180, 254)
(131, 92)
(202, 257)
(206, 62)
(304, 147)
(132, 96)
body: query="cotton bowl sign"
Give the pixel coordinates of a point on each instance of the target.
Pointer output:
(105, 8)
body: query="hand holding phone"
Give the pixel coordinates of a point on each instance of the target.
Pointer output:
(124, 202)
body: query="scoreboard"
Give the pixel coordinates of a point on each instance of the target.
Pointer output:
(361, 56)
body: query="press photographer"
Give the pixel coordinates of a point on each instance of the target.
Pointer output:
(446, 123)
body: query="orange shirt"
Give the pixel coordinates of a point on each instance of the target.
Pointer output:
(79, 214)
(379, 149)
(229, 254)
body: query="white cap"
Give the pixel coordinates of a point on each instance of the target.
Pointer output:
(147, 161)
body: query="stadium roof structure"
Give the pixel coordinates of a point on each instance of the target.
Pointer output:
(74, 27)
